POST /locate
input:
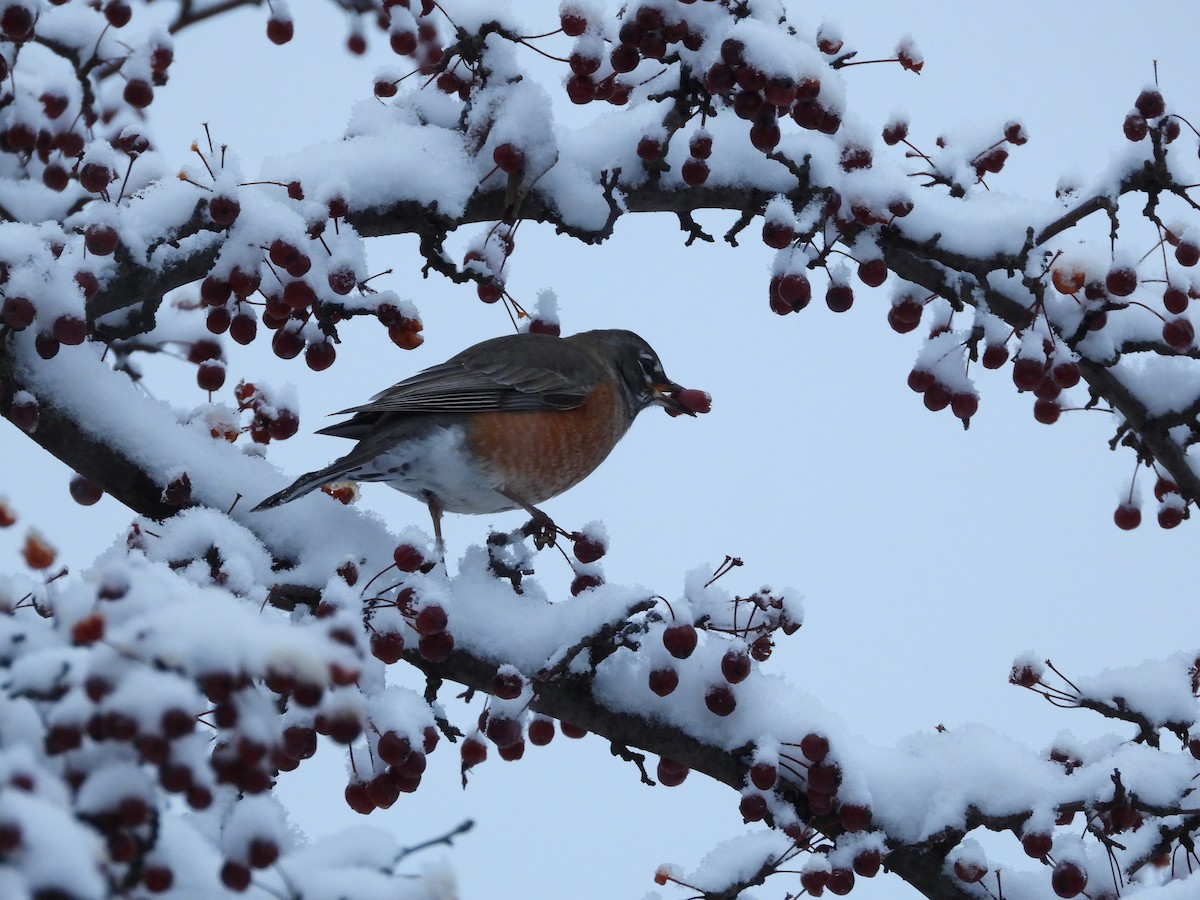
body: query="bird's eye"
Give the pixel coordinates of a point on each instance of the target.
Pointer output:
(650, 365)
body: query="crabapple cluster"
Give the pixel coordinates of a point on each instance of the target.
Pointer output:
(746, 624)
(104, 743)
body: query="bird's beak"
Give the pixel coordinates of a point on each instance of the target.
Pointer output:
(664, 396)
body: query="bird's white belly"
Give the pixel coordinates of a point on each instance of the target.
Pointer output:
(438, 464)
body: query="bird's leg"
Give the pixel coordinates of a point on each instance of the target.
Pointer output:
(540, 527)
(435, 513)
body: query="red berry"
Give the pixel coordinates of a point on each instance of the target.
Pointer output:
(1150, 104)
(815, 747)
(1046, 411)
(243, 328)
(280, 31)
(777, 235)
(1028, 374)
(509, 158)
(680, 640)
(342, 281)
(735, 666)
(286, 343)
(872, 272)
(1121, 281)
(671, 773)
(100, 240)
(1127, 517)
(588, 550)
(649, 149)
(763, 776)
(694, 172)
(1175, 301)
(841, 882)
(358, 798)
(720, 700)
(1179, 334)
(235, 876)
(320, 357)
(224, 210)
(839, 297)
(210, 375)
(541, 731)
(387, 646)
(432, 619)
(84, 491)
(573, 24)
(964, 405)
(507, 686)
(1135, 127)
(69, 330)
(753, 807)
(970, 872)
(1068, 879)
(94, 178)
(1065, 375)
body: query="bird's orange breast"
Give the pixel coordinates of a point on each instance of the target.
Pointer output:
(539, 454)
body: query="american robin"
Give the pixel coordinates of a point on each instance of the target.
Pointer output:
(505, 424)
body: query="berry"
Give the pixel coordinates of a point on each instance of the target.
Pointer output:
(735, 666)
(815, 747)
(777, 235)
(694, 172)
(342, 281)
(436, 648)
(753, 807)
(223, 210)
(1135, 127)
(663, 681)
(1028, 374)
(509, 158)
(1068, 879)
(541, 731)
(1065, 375)
(1046, 411)
(573, 24)
(588, 550)
(1150, 104)
(94, 177)
(17, 312)
(680, 640)
(1175, 301)
(964, 405)
(720, 700)
(138, 93)
(1179, 334)
(872, 272)
(280, 31)
(507, 686)
(432, 619)
(235, 876)
(1127, 517)
(841, 882)
(358, 798)
(839, 297)
(320, 357)
(69, 330)
(763, 776)
(970, 872)
(671, 773)
(84, 491)
(1121, 281)
(100, 240)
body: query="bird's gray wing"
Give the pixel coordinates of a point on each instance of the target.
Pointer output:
(525, 372)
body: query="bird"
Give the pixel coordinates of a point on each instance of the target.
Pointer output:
(506, 424)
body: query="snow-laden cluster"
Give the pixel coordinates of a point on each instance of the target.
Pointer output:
(148, 706)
